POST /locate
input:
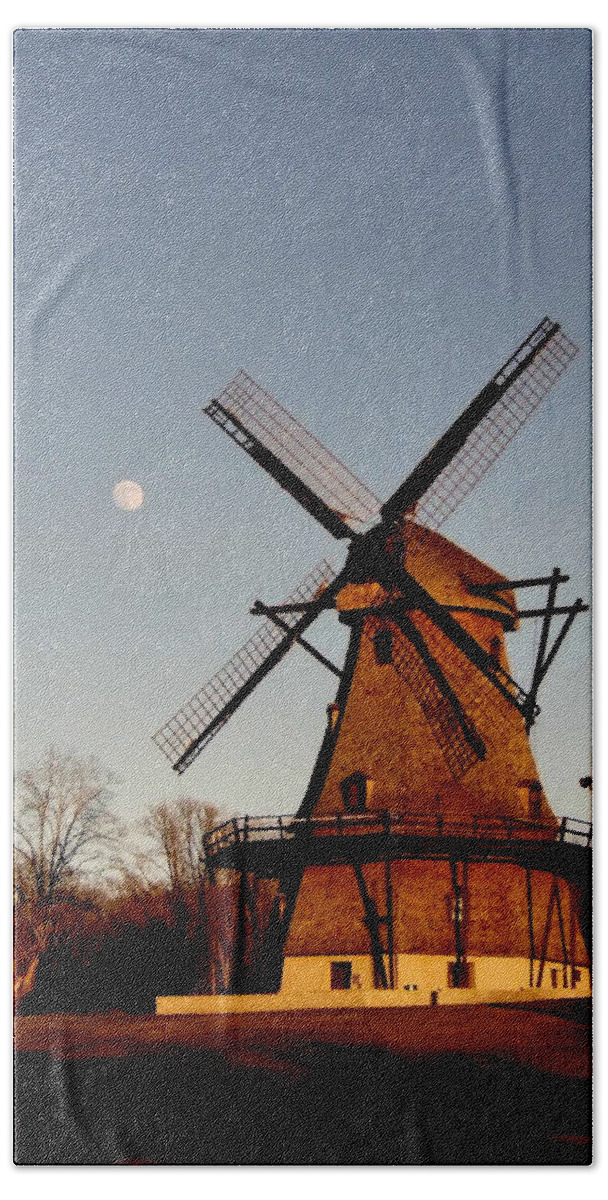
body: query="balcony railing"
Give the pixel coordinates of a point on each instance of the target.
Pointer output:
(250, 829)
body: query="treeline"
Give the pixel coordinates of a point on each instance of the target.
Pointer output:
(108, 917)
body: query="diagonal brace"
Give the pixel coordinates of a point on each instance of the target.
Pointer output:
(416, 596)
(412, 633)
(544, 659)
(258, 607)
(373, 922)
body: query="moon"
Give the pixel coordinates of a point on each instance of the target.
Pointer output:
(128, 495)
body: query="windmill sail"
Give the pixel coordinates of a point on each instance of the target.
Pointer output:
(198, 721)
(453, 731)
(298, 461)
(344, 506)
(464, 454)
(498, 720)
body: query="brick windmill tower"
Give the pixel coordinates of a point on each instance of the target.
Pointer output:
(425, 855)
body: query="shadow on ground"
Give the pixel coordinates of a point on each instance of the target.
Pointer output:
(324, 1104)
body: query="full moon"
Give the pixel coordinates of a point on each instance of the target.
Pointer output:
(128, 495)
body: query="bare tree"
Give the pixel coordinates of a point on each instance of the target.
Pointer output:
(177, 829)
(65, 837)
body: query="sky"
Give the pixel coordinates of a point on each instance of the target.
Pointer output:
(367, 221)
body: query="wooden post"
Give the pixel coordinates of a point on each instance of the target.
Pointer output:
(372, 921)
(562, 934)
(530, 924)
(546, 932)
(390, 932)
(460, 965)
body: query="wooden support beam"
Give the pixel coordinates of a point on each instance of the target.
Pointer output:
(561, 610)
(530, 924)
(572, 932)
(546, 932)
(372, 922)
(390, 929)
(467, 727)
(303, 642)
(268, 972)
(506, 616)
(577, 607)
(542, 647)
(240, 941)
(460, 965)
(258, 606)
(562, 934)
(544, 659)
(415, 596)
(511, 585)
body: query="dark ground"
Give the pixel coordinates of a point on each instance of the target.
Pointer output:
(475, 1085)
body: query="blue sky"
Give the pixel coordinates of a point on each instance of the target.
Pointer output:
(368, 222)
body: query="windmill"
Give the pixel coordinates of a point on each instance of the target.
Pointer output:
(428, 723)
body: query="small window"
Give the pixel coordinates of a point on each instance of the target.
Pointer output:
(535, 800)
(530, 794)
(356, 790)
(383, 646)
(554, 982)
(576, 977)
(494, 650)
(341, 976)
(333, 712)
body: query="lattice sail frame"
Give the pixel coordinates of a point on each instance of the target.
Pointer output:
(440, 716)
(204, 708)
(261, 416)
(491, 713)
(494, 432)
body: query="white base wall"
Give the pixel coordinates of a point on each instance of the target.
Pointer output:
(307, 985)
(425, 973)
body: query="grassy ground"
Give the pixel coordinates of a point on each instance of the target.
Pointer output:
(438, 1086)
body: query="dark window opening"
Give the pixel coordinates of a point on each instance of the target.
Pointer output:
(495, 649)
(535, 801)
(340, 975)
(355, 791)
(460, 974)
(531, 799)
(383, 646)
